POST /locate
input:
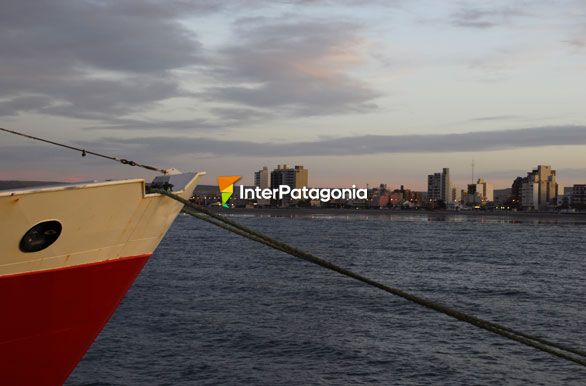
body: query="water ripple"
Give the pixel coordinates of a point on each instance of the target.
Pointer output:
(211, 308)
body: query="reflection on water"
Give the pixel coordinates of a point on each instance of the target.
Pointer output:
(504, 218)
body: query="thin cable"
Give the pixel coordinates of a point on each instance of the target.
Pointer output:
(552, 348)
(84, 151)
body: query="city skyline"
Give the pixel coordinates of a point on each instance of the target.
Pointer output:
(538, 191)
(359, 93)
(263, 179)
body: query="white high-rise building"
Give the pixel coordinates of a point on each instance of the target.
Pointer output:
(539, 188)
(261, 178)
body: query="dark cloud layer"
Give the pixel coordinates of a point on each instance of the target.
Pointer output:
(107, 59)
(362, 145)
(23, 103)
(93, 59)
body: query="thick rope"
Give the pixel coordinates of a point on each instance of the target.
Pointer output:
(541, 344)
(84, 152)
(199, 212)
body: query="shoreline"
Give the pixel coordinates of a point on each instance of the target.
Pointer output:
(435, 214)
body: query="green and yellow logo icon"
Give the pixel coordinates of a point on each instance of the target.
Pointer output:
(226, 185)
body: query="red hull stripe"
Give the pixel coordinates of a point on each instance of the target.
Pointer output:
(49, 319)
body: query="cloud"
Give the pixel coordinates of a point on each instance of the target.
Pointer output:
(239, 114)
(578, 41)
(94, 59)
(108, 99)
(496, 118)
(137, 124)
(138, 37)
(359, 145)
(483, 18)
(225, 118)
(24, 103)
(301, 67)
(106, 61)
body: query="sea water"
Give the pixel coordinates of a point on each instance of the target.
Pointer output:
(211, 308)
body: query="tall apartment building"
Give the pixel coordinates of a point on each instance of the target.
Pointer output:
(539, 188)
(439, 186)
(434, 186)
(301, 176)
(296, 177)
(261, 178)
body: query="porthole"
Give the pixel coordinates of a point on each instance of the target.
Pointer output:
(40, 236)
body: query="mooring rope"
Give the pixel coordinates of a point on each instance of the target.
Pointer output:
(556, 349)
(84, 152)
(559, 350)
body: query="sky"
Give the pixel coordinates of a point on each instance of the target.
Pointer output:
(359, 92)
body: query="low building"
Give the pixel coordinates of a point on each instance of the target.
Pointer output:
(456, 195)
(479, 193)
(395, 198)
(502, 196)
(578, 198)
(206, 195)
(381, 200)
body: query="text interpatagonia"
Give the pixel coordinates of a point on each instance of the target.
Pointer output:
(305, 193)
